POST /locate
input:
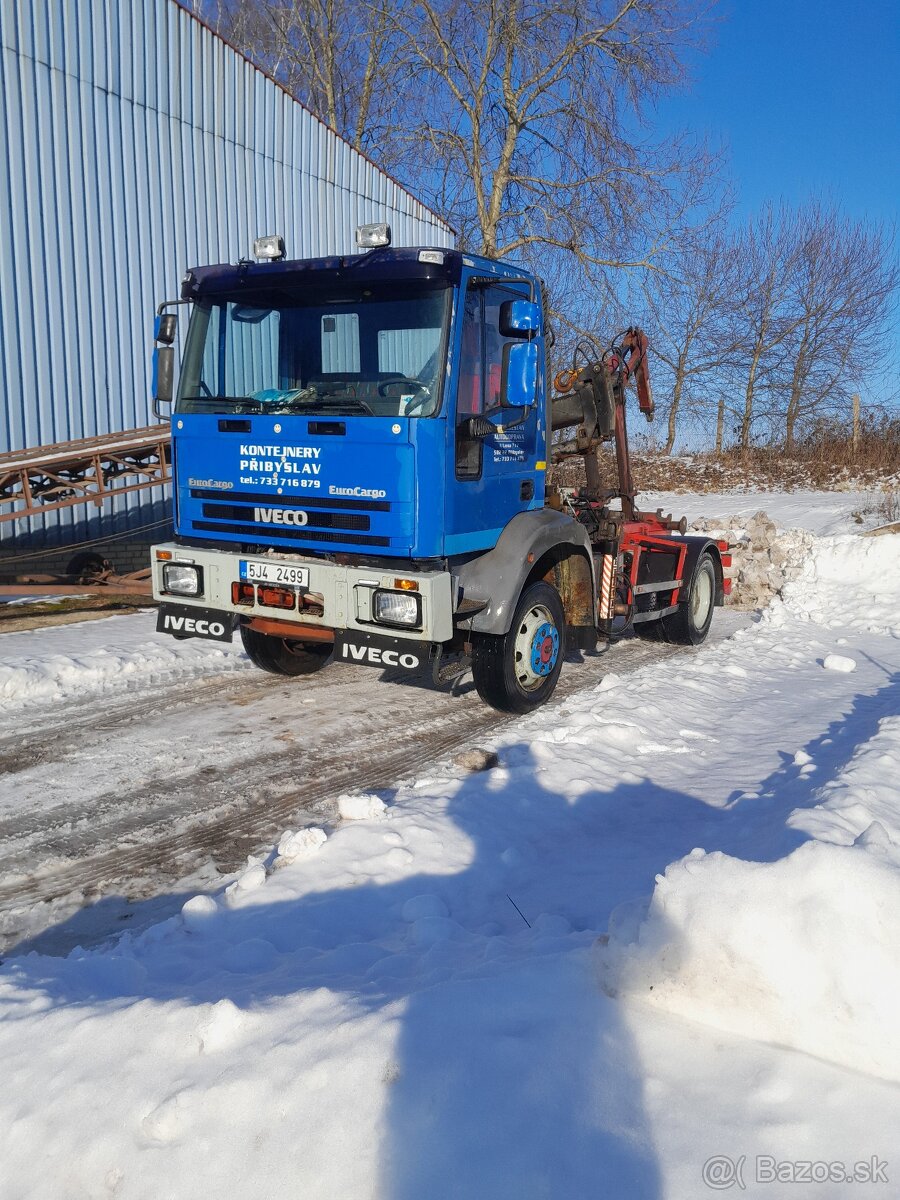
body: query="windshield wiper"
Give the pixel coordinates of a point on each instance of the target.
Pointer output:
(215, 403)
(332, 403)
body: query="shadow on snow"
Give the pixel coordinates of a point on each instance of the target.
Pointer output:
(514, 1074)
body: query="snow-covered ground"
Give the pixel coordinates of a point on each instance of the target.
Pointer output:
(71, 662)
(822, 513)
(654, 953)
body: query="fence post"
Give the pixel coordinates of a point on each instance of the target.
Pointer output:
(855, 426)
(720, 426)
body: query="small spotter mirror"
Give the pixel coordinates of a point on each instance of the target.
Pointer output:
(165, 328)
(519, 318)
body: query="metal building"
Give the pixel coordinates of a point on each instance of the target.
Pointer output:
(134, 143)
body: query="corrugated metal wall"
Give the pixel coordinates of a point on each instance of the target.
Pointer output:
(134, 143)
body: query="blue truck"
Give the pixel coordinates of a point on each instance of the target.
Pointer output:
(360, 449)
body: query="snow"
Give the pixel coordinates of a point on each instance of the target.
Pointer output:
(821, 975)
(74, 661)
(839, 662)
(821, 513)
(292, 846)
(663, 929)
(871, 603)
(360, 808)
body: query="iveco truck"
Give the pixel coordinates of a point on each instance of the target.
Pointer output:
(360, 456)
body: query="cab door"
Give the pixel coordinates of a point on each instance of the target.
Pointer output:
(492, 478)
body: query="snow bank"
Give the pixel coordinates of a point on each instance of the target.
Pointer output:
(76, 660)
(800, 953)
(849, 581)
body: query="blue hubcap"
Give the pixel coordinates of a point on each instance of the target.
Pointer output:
(544, 648)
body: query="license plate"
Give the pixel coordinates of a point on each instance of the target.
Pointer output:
(274, 572)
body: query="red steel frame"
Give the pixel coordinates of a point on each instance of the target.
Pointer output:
(643, 534)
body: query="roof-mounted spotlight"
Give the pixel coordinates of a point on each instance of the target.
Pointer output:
(269, 248)
(370, 236)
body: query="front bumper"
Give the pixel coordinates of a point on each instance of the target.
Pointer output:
(336, 597)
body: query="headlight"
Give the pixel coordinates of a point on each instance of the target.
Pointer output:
(182, 580)
(397, 608)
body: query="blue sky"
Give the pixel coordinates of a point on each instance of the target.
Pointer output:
(806, 95)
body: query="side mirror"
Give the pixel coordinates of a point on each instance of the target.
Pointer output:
(165, 328)
(519, 318)
(518, 383)
(163, 383)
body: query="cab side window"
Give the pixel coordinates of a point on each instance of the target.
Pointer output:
(494, 341)
(480, 368)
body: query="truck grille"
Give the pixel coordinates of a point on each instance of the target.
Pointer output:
(321, 520)
(293, 534)
(326, 518)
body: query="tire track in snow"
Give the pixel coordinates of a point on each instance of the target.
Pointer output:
(138, 843)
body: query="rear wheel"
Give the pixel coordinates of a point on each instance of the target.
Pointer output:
(284, 656)
(518, 671)
(689, 624)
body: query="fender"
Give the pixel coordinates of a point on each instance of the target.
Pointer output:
(696, 546)
(496, 578)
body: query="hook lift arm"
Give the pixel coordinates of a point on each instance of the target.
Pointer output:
(592, 399)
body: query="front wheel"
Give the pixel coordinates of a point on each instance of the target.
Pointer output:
(284, 656)
(518, 671)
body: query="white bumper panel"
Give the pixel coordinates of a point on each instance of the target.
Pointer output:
(346, 592)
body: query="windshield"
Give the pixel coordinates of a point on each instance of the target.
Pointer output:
(348, 350)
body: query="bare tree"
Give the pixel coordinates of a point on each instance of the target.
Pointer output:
(841, 291)
(525, 122)
(529, 125)
(766, 255)
(693, 323)
(337, 57)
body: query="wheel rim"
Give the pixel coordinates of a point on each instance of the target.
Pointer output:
(701, 599)
(536, 648)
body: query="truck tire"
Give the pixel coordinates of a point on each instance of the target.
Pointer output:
(283, 656)
(518, 671)
(689, 624)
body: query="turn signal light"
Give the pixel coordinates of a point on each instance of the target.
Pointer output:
(406, 585)
(276, 597)
(243, 593)
(164, 555)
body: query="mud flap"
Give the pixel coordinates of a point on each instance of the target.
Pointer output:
(380, 650)
(187, 621)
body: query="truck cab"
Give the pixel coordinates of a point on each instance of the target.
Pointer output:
(359, 459)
